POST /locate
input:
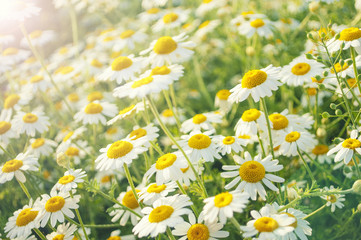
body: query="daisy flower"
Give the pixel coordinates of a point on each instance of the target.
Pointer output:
(146, 134)
(153, 192)
(39, 83)
(347, 90)
(150, 15)
(291, 141)
(70, 180)
(223, 205)
(17, 166)
(64, 73)
(319, 152)
(123, 68)
(268, 224)
(221, 100)
(22, 222)
(188, 175)
(69, 137)
(171, 19)
(169, 73)
(7, 132)
(252, 173)
(201, 122)
(204, 28)
(346, 149)
(14, 55)
(115, 235)
(14, 101)
(300, 71)
(166, 212)
(6, 39)
(292, 188)
(119, 153)
(199, 230)
(127, 111)
(31, 122)
(39, 38)
(63, 231)
(249, 121)
(167, 116)
(18, 10)
(227, 144)
(95, 112)
(41, 147)
(257, 83)
(56, 206)
(77, 151)
(351, 37)
(333, 200)
(128, 39)
(167, 168)
(209, 5)
(114, 133)
(147, 4)
(259, 26)
(169, 50)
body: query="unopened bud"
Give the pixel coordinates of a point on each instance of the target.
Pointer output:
(321, 132)
(250, 51)
(356, 187)
(314, 6)
(62, 160)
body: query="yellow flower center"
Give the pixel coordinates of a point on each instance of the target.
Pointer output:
(204, 24)
(228, 140)
(351, 143)
(72, 151)
(35, 34)
(286, 20)
(66, 179)
(257, 23)
(251, 115)
(153, 10)
(63, 50)
(12, 166)
(121, 63)
(167, 113)
(93, 108)
(30, 60)
(54, 204)
(247, 13)
(352, 82)
(199, 141)
(350, 34)
(119, 149)
(331, 198)
(38, 143)
(142, 82)
(252, 171)
(11, 100)
(170, 17)
(156, 188)
(25, 217)
(126, 34)
(114, 55)
(279, 121)
(163, 70)
(223, 199)
(96, 63)
(10, 51)
(58, 237)
(292, 137)
(265, 224)
(127, 109)
(73, 97)
(165, 45)
(138, 133)
(129, 199)
(311, 91)
(207, 1)
(294, 224)
(67, 70)
(339, 68)
(106, 179)
(184, 170)
(68, 136)
(244, 136)
(36, 79)
(108, 39)
(320, 149)
(223, 94)
(317, 81)
(165, 161)
(301, 69)
(199, 118)
(112, 131)
(114, 238)
(253, 78)
(4, 127)
(30, 118)
(160, 214)
(198, 231)
(95, 96)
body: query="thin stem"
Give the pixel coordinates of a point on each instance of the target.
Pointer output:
(316, 211)
(355, 68)
(236, 223)
(306, 166)
(25, 190)
(80, 219)
(200, 81)
(264, 106)
(6, 152)
(185, 193)
(74, 27)
(159, 151)
(169, 103)
(290, 204)
(40, 234)
(131, 183)
(170, 235)
(357, 168)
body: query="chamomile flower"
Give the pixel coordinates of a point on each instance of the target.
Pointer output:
(68, 137)
(166, 212)
(223, 205)
(76, 151)
(292, 188)
(169, 50)
(146, 134)
(259, 26)
(39, 38)
(347, 90)
(199, 230)
(188, 174)
(171, 19)
(64, 73)
(249, 122)
(201, 122)
(153, 3)
(346, 149)
(127, 111)
(41, 147)
(115, 235)
(14, 55)
(351, 37)
(114, 133)
(14, 101)
(227, 144)
(150, 15)
(153, 192)
(19, 10)
(292, 141)
(204, 28)
(167, 168)
(167, 116)
(257, 83)
(300, 71)
(208, 5)
(70, 180)
(319, 152)
(95, 113)
(63, 231)
(6, 39)
(252, 173)
(16, 167)
(333, 200)
(119, 153)
(30, 123)
(7, 132)
(169, 73)
(221, 100)
(128, 39)
(39, 83)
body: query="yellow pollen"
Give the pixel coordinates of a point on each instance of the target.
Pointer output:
(320, 149)
(11, 100)
(72, 151)
(68, 136)
(54, 204)
(301, 69)
(253, 78)
(290, 185)
(292, 137)
(114, 238)
(277, 148)
(114, 55)
(96, 63)
(331, 198)
(160, 213)
(4, 127)
(184, 170)
(350, 34)
(142, 82)
(12, 166)
(167, 113)
(199, 141)
(10, 51)
(223, 94)
(25, 217)
(121, 63)
(66, 70)
(126, 34)
(46, 174)
(93, 108)
(244, 136)
(247, 13)
(127, 109)
(198, 231)
(106, 179)
(199, 118)
(311, 91)
(251, 115)
(63, 50)
(339, 68)
(165, 45)
(156, 188)
(265, 224)
(204, 24)
(294, 224)
(170, 17)
(207, 1)
(279, 121)
(165, 161)
(257, 23)
(138, 133)
(352, 82)
(95, 96)
(252, 171)
(66, 179)
(351, 143)
(112, 131)
(38, 143)
(164, 70)
(119, 149)
(286, 20)
(108, 39)
(30, 118)
(129, 199)
(153, 11)
(58, 237)
(35, 34)
(36, 79)
(223, 199)
(228, 140)
(73, 97)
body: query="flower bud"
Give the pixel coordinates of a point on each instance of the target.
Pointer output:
(62, 160)
(356, 187)
(250, 51)
(314, 6)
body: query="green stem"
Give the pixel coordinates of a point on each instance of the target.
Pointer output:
(170, 235)
(6, 152)
(200, 81)
(185, 193)
(357, 168)
(159, 151)
(131, 183)
(264, 106)
(74, 27)
(80, 219)
(355, 68)
(316, 211)
(25, 190)
(306, 166)
(236, 223)
(169, 103)
(40, 234)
